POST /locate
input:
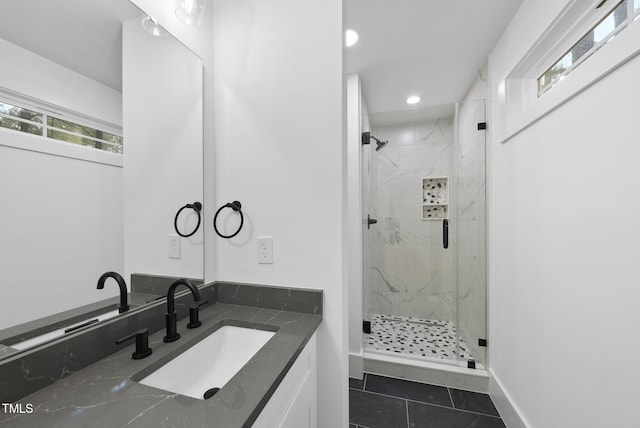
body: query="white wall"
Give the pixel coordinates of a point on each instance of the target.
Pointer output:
(61, 216)
(163, 153)
(563, 249)
(278, 117)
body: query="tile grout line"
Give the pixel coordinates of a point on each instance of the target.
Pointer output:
(451, 397)
(406, 406)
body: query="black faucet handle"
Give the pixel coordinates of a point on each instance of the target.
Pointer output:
(142, 343)
(194, 321)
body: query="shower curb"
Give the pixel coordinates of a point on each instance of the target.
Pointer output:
(476, 380)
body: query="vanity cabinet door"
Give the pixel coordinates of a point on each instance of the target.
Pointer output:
(294, 404)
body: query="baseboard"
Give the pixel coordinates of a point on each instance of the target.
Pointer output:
(511, 415)
(356, 365)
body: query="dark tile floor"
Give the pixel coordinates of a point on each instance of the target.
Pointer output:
(384, 402)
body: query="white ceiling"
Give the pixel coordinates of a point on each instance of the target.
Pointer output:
(430, 48)
(423, 47)
(83, 35)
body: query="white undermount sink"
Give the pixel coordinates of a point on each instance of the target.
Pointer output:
(210, 363)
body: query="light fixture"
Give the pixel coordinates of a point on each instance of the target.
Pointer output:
(152, 26)
(351, 37)
(413, 99)
(190, 12)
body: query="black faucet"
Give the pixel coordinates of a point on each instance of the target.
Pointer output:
(172, 327)
(124, 306)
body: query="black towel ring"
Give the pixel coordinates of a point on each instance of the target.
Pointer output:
(235, 205)
(197, 207)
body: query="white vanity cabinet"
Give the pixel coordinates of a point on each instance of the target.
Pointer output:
(294, 404)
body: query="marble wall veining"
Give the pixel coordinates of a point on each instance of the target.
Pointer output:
(409, 272)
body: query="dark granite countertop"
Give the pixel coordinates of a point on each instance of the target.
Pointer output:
(104, 395)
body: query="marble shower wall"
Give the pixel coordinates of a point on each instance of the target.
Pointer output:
(471, 224)
(409, 271)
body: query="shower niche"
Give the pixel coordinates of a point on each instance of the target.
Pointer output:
(435, 198)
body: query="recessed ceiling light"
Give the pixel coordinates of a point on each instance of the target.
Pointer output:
(413, 99)
(351, 38)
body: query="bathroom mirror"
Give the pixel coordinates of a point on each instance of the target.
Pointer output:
(72, 212)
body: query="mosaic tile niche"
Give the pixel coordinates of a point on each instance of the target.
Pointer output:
(435, 198)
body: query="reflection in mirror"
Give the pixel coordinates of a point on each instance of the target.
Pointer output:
(78, 206)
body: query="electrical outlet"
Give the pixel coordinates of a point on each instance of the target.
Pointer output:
(174, 247)
(265, 249)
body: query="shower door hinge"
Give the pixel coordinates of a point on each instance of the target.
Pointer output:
(366, 327)
(471, 364)
(482, 342)
(482, 125)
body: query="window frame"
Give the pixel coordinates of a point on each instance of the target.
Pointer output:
(517, 91)
(599, 18)
(45, 144)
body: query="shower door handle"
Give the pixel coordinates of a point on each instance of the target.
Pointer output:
(370, 221)
(445, 233)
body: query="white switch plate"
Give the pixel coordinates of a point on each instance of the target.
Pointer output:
(174, 247)
(265, 249)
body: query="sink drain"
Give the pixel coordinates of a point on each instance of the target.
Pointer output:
(210, 393)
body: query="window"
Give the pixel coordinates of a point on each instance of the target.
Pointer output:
(63, 130)
(35, 122)
(613, 22)
(20, 119)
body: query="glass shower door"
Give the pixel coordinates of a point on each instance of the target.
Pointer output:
(409, 292)
(471, 228)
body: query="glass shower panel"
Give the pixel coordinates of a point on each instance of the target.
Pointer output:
(471, 228)
(368, 206)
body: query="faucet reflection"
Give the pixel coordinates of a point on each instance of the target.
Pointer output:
(124, 306)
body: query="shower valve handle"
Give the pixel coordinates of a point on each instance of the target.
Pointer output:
(370, 221)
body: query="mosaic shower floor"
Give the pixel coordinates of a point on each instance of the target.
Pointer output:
(415, 336)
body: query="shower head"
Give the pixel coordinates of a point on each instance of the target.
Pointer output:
(380, 144)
